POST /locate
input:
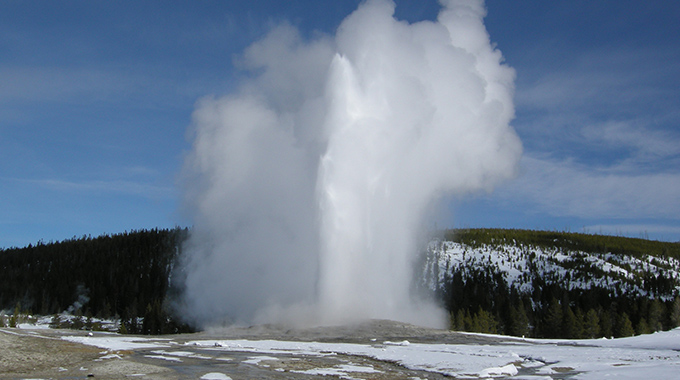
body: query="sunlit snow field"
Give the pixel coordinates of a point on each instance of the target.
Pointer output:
(655, 356)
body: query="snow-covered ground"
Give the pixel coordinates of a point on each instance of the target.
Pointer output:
(654, 356)
(519, 263)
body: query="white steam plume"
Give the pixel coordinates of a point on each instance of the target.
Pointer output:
(308, 187)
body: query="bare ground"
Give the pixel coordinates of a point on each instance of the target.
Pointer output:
(43, 354)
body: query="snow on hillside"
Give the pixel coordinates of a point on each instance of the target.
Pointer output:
(520, 264)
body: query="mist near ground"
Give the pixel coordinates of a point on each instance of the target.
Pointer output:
(308, 186)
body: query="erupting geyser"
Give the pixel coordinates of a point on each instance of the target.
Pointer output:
(309, 185)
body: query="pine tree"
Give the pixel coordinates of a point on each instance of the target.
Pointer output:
(485, 322)
(592, 324)
(476, 326)
(105, 311)
(569, 328)
(468, 322)
(580, 332)
(552, 326)
(675, 313)
(460, 320)
(16, 315)
(122, 329)
(624, 327)
(606, 325)
(519, 322)
(642, 327)
(154, 319)
(655, 316)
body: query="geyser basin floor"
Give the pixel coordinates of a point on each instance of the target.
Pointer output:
(373, 350)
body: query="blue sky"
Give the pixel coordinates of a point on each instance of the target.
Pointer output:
(96, 98)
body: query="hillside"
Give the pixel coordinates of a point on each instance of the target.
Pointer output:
(515, 282)
(550, 284)
(125, 276)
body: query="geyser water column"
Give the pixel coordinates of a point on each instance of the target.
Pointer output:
(417, 111)
(309, 185)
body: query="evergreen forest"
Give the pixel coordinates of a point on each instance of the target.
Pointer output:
(125, 276)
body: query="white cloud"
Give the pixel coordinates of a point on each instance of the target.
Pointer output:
(647, 143)
(565, 188)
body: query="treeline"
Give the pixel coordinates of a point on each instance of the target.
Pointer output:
(617, 245)
(129, 276)
(482, 303)
(480, 300)
(125, 275)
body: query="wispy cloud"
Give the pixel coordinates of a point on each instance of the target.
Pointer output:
(565, 188)
(601, 138)
(125, 187)
(601, 77)
(646, 144)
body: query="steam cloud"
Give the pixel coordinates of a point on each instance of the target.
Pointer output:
(309, 185)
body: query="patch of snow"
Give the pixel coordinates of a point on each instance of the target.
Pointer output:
(508, 370)
(342, 371)
(215, 376)
(117, 342)
(357, 368)
(109, 356)
(402, 343)
(32, 326)
(184, 354)
(163, 357)
(255, 360)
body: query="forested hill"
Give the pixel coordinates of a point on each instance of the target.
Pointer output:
(517, 282)
(125, 275)
(565, 241)
(554, 284)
